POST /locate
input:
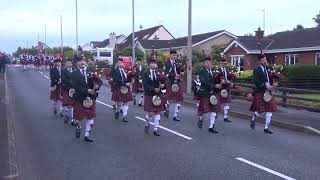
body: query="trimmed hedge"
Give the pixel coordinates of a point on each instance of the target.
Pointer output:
(301, 71)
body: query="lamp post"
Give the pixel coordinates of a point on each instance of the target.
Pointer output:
(133, 48)
(77, 40)
(189, 54)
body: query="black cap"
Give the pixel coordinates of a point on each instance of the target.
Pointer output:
(139, 59)
(261, 56)
(173, 51)
(57, 60)
(120, 59)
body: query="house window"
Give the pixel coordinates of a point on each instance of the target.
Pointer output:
(238, 61)
(291, 59)
(317, 59)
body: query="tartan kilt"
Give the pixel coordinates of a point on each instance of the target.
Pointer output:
(66, 99)
(196, 97)
(149, 107)
(260, 106)
(175, 97)
(82, 113)
(38, 64)
(225, 100)
(46, 63)
(205, 106)
(118, 97)
(135, 87)
(55, 95)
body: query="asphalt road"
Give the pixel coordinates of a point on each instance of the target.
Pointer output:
(47, 149)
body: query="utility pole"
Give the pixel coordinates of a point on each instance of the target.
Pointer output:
(133, 48)
(189, 54)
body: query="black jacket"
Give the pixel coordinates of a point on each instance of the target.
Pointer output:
(149, 85)
(207, 83)
(138, 73)
(169, 69)
(260, 78)
(66, 79)
(117, 79)
(55, 77)
(81, 86)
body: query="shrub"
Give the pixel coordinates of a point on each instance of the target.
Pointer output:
(301, 71)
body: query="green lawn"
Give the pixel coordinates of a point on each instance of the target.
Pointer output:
(311, 96)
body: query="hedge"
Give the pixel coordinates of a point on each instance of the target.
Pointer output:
(301, 71)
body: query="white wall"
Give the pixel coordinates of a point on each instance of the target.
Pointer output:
(162, 34)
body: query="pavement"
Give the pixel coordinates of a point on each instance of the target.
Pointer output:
(46, 147)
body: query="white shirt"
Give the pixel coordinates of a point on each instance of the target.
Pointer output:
(84, 73)
(266, 73)
(173, 65)
(224, 73)
(123, 74)
(153, 74)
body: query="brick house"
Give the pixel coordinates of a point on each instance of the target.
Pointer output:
(287, 48)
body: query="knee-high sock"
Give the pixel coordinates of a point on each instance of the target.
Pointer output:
(176, 110)
(59, 103)
(156, 121)
(118, 107)
(71, 113)
(255, 115)
(268, 120)
(89, 124)
(125, 110)
(148, 118)
(212, 119)
(140, 98)
(226, 110)
(54, 104)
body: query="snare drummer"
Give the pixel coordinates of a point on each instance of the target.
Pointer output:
(264, 83)
(224, 79)
(121, 90)
(154, 101)
(208, 93)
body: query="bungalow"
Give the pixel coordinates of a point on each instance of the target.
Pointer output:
(287, 48)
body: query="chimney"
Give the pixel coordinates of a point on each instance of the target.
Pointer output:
(112, 39)
(140, 28)
(259, 34)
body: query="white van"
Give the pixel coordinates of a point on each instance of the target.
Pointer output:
(103, 54)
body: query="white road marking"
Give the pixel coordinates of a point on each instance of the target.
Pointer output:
(265, 169)
(169, 130)
(41, 72)
(46, 76)
(313, 129)
(105, 104)
(164, 128)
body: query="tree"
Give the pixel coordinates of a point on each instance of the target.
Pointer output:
(298, 27)
(128, 52)
(317, 19)
(216, 51)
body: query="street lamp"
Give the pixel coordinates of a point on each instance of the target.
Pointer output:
(189, 54)
(77, 40)
(133, 48)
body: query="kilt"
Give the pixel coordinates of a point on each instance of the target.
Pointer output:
(135, 87)
(149, 107)
(37, 63)
(55, 95)
(225, 100)
(46, 63)
(196, 97)
(66, 99)
(260, 106)
(118, 97)
(175, 97)
(82, 113)
(205, 106)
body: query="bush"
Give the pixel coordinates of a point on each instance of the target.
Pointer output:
(102, 64)
(301, 71)
(88, 55)
(245, 77)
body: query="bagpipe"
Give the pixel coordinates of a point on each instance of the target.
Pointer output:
(94, 80)
(225, 83)
(139, 79)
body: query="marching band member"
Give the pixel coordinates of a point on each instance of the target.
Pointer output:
(86, 87)
(55, 96)
(196, 83)
(137, 87)
(154, 101)
(174, 71)
(121, 90)
(209, 99)
(67, 91)
(225, 78)
(262, 99)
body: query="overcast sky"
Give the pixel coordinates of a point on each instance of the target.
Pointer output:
(21, 20)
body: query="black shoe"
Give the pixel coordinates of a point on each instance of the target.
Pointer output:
(156, 133)
(134, 102)
(176, 119)
(227, 120)
(87, 139)
(73, 123)
(125, 119)
(114, 107)
(253, 124)
(116, 115)
(166, 113)
(146, 129)
(78, 132)
(55, 111)
(212, 130)
(66, 120)
(200, 123)
(140, 104)
(269, 131)
(121, 111)
(61, 114)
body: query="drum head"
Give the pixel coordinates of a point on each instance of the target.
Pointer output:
(213, 100)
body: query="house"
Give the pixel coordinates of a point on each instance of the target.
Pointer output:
(153, 33)
(200, 42)
(300, 46)
(110, 42)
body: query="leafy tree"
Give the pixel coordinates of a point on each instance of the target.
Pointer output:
(298, 27)
(317, 19)
(128, 52)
